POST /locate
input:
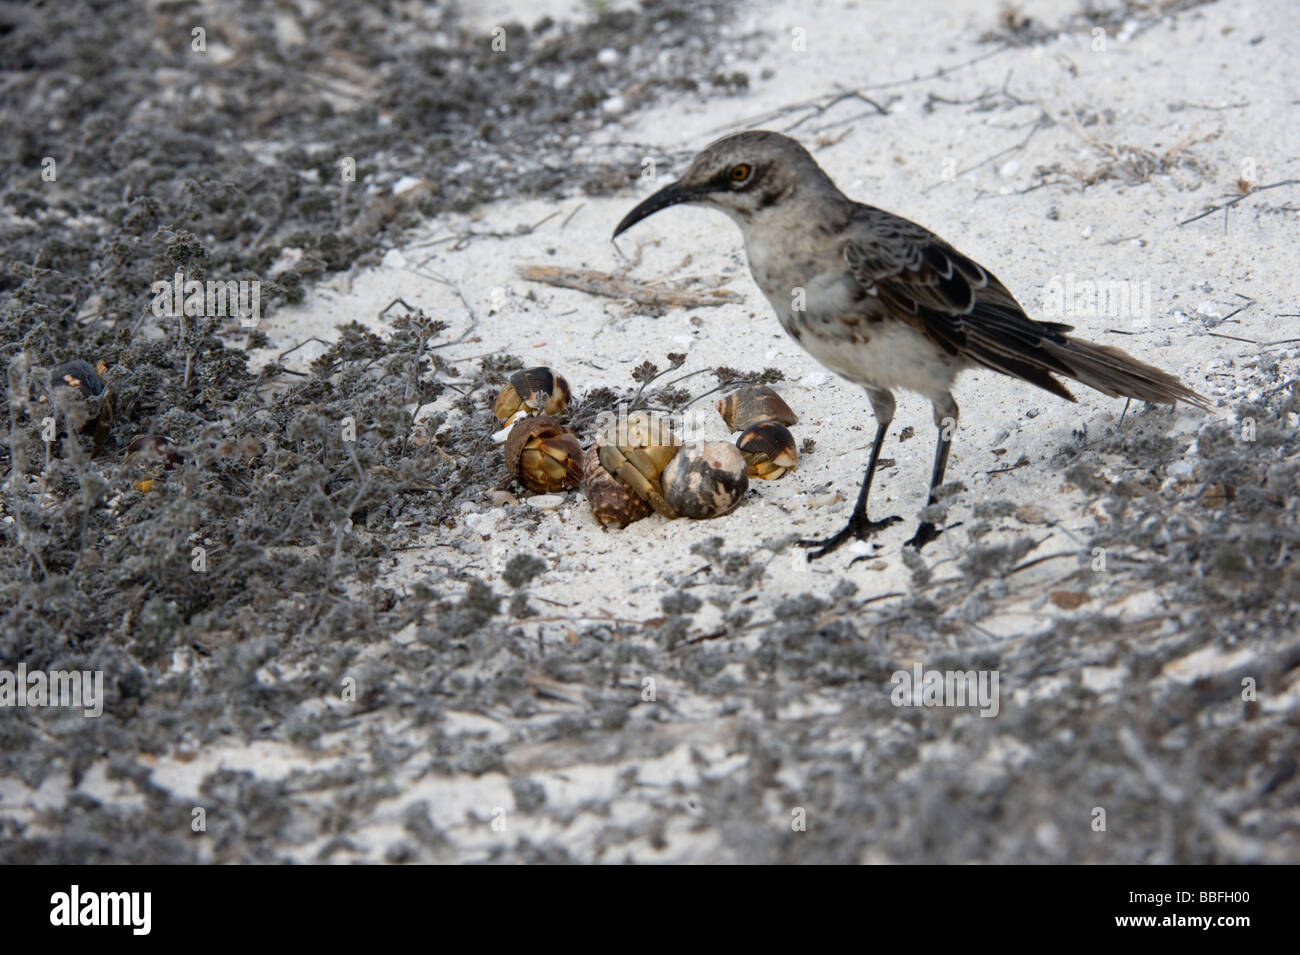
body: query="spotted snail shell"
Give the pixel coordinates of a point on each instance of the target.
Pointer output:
(705, 479)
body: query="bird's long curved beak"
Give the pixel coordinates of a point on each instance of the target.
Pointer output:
(669, 195)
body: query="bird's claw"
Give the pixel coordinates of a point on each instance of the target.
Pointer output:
(927, 533)
(859, 527)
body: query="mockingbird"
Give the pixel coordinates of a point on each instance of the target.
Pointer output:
(883, 302)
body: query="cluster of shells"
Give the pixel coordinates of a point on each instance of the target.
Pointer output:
(638, 466)
(77, 390)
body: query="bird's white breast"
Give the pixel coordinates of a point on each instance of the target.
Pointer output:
(895, 356)
(813, 293)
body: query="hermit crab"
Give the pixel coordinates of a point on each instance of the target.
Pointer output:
(753, 404)
(542, 456)
(636, 449)
(768, 449)
(79, 375)
(144, 453)
(705, 479)
(155, 447)
(78, 391)
(533, 391)
(612, 502)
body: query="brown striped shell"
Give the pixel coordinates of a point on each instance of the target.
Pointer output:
(752, 404)
(769, 450)
(612, 502)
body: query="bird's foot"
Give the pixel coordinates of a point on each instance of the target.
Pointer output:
(859, 527)
(926, 533)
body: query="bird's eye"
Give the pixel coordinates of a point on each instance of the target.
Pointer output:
(740, 172)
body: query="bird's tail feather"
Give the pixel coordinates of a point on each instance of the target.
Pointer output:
(1119, 374)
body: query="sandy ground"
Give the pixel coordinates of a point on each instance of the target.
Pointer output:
(1052, 161)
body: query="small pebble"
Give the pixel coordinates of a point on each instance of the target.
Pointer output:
(1031, 514)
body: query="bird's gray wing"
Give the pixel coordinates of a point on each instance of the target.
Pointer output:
(922, 280)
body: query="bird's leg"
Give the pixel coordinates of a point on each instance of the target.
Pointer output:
(860, 527)
(945, 417)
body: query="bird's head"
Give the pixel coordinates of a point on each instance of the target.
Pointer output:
(742, 175)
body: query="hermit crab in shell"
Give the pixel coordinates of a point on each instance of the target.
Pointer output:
(636, 449)
(532, 391)
(542, 456)
(156, 447)
(768, 449)
(613, 504)
(77, 390)
(705, 479)
(77, 374)
(753, 404)
(145, 453)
